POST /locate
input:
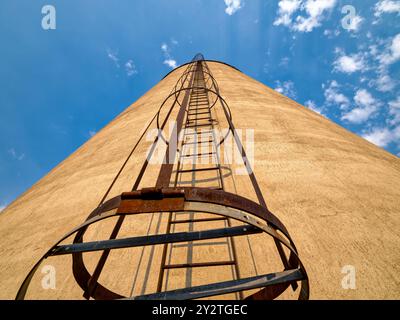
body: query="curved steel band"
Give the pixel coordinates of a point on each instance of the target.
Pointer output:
(204, 60)
(195, 199)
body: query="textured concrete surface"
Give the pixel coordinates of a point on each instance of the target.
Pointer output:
(336, 193)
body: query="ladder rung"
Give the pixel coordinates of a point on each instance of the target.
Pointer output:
(199, 125)
(198, 154)
(198, 169)
(199, 220)
(224, 287)
(199, 132)
(199, 100)
(199, 264)
(191, 114)
(154, 240)
(198, 142)
(201, 95)
(198, 103)
(196, 109)
(196, 106)
(200, 119)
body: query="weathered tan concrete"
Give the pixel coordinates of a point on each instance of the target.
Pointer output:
(336, 193)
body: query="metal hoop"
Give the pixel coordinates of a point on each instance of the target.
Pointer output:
(215, 202)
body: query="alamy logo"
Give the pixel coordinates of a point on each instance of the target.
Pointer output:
(348, 19)
(201, 143)
(49, 279)
(49, 20)
(349, 280)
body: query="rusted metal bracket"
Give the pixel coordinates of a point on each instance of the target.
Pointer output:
(257, 220)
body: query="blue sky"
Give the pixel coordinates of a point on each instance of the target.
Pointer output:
(58, 87)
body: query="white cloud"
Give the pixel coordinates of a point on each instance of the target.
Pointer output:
(387, 6)
(331, 33)
(312, 105)
(168, 60)
(113, 55)
(382, 137)
(286, 88)
(170, 63)
(358, 115)
(334, 97)
(385, 83)
(285, 11)
(130, 68)
(164, 48)
(2, 207)
(394, 111)
(364, 98)
(15, 155)
(392, 52)
(379, 136)
(315, 13)
(367, 105)
(377, 57)
(349, 63)
(232, 6)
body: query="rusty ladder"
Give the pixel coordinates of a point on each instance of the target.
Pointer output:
(198, 115)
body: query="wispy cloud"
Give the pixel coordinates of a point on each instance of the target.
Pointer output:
(15, 155)
(349, 63)
(375, 56)
(170, 63)
(313, 106)
(92, 133)
(113, 55)
(2, 207)
(333, 96)
(168, 59)
(384, 82)
(387, 6)
(382, 137)
(286, 88)
(392, 51)
(331, 33)
(286, 8)
(382, 54)
(232, 6)
(367, 105)
(315, 10)
(394, 111)
(130, 68)
(129, 65)
(310, 13)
